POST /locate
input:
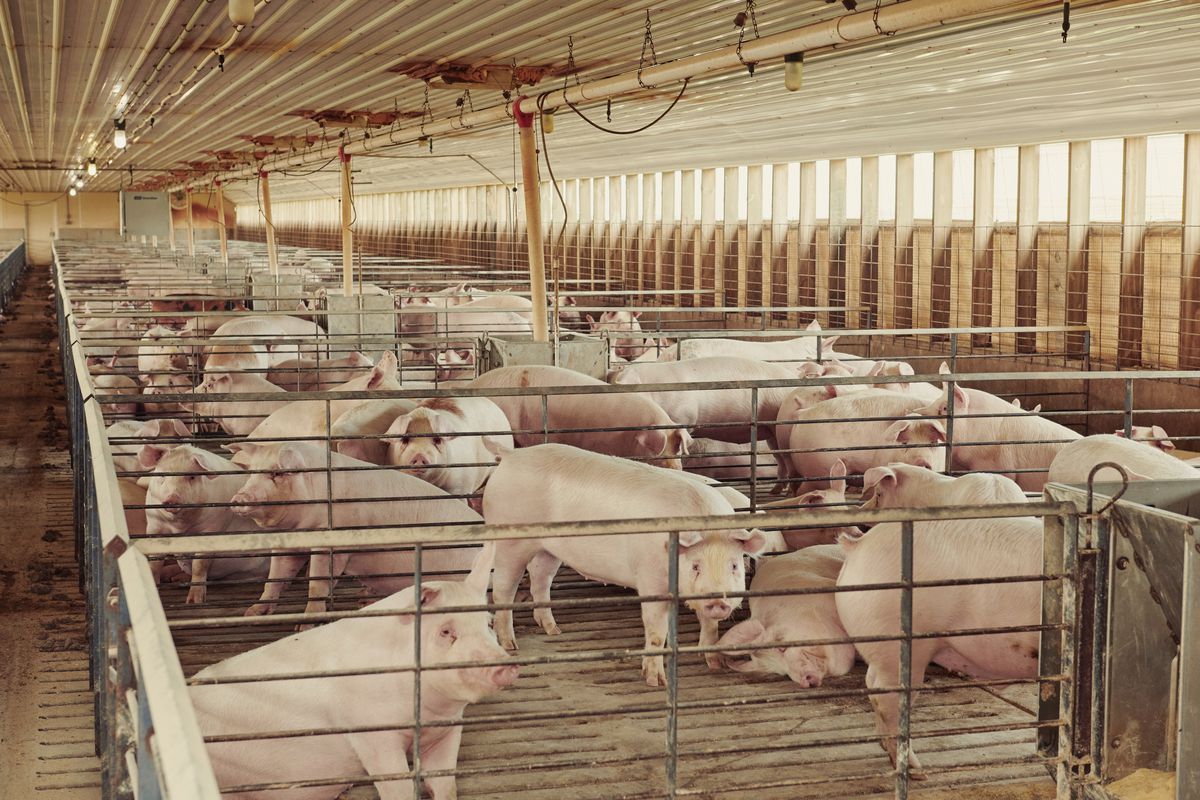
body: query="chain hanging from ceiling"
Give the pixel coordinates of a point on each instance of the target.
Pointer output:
(749, 15)
(647, 43)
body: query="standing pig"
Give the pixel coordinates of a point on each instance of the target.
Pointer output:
(125, 453)
(629, 347)
(567, 413)
(284, 337)
(452, 443)
(370, 419)
(112, 384)
(365, 497)
(1141, 460)
(160, 354)
(944, 551)
(377, 709)
(793, 618)
(557, 483)
(906, 486)
(237, 417)
(176, 502)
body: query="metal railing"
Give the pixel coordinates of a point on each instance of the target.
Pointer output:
(12, 263)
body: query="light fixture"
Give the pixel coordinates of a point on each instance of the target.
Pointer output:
(241, 12)
(79, 183)
(91, 169)
(793, 71)
(72, 191)
(119, 138)
(548, 120)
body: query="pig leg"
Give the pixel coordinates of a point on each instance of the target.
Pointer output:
(323, 572)
(383, 753)
(654, 620)
(198, 591)
(442, 754)
(884, 672)
(541, 574)
(709, 634)
(511, 560)
(283, 569)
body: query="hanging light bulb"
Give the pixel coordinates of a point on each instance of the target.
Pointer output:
(91, 168)
(119, 138)
(241, 12)
(72, 191)
(548, 120)
(793, 71)
(79, 183)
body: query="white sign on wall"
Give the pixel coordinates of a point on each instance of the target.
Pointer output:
(145, 214)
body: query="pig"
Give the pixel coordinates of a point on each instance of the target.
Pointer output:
(238, 358)
(1150, 434)
(370, 419)
(727, 461)
(172, 497)
(112, 384)
(629, 347)
(662, 446)
(125, 454)
(906, 486)
(371, 497)
(160, 355)
(802, 348)
(455, 367)
(313, 417)
(1141, 460)
(376, 708)
(313, 375)
(452, 443)
(237, 417)
(559, 483)
(836, 424)
(498, 313)
(793, 618)
(991, 435)
(285, 337)
(944, 550)
(165, 384)
(832, 498)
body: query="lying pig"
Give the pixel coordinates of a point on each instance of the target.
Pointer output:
(112, 384)
(727, 461)
(907, 486)
(285, 337)
(802, 348)
(558, 483)
(452, 443)
(173, 498)
(835, 427)
(370, 419)
(793, 618)
(1152, 435)
(238, 358)
(1141, 460)
(366, 497)
(833, 498)
(165, 384)
(237, 417)
(942, 551)
(377, 708)
(317, 375)
(567, 413)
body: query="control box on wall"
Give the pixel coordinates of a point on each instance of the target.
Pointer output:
(145, 214)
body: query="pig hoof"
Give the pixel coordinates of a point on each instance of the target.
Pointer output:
(508, 644)
(653, 672)
(259, 609)
(714, 660)
(196, 596)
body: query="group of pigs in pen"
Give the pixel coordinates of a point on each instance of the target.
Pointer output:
(563, 457)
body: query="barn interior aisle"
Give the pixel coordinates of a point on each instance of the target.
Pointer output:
(46, 721)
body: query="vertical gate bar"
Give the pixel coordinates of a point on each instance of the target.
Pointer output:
(1127, 422)
(673, 666)
(1064, 778)
(754, 448)
(416, 742)
(904, 744)
(950, 426)
(1101, 580)
(1050, 647)
(1187, 758)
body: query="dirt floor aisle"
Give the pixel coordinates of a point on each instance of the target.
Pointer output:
(46, 734)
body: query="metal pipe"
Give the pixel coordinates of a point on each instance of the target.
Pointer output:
(191, 225)
(221, 232)
(347, 221)
(531, 190)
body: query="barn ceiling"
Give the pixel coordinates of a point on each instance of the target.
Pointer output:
(307, 70)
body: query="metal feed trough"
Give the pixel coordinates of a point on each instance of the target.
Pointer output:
(579, 720)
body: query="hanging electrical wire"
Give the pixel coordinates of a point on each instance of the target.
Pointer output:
(647, 126)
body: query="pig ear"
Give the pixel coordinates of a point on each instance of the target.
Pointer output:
(654, 442)
(481, 569)
(429, 594)
(688, 539)
(960, 400)
(879, 476)
(813, 326)
(905, 368)
(828, 342)
(944, 369)
(400, 425)
(178, 427)
(678, 441)
(1016, 402)
(877, 369)
(810, 369)
(935, 431)
(467, 356)
(290, 459)
(753, 541)
(198, 466)
(496, 446)
(1161, 435)
(151, 430)
(591, 320)
(636, 314)
(749, 631)
(151, 454)
(360, 360)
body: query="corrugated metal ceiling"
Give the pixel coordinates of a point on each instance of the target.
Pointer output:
(1129, 67)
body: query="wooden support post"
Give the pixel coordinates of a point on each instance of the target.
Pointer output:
(730, 225)
(753, 236)
(347, 219)
(687, 233)
(981, 247)
(665, 233)
(191, 224)
(646, 235)
(777, 245)
(533, 221)
(869, 233)
(1133, 232)
(1027, 240)
(805, 263)
(707, 232)
(221, 232)
(1189, 299)
(612, 239)
(272, 251)
(1079, 211)
(903, 279)
(630, 261)
(834, 291)
(940, 279)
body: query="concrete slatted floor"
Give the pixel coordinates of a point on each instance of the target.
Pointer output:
(46, 735)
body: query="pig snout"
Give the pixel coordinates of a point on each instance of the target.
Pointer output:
(242, 504)
(716, 609)
(504, 676)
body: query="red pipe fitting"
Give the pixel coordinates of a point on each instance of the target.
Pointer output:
(524, 119)
(342, 157)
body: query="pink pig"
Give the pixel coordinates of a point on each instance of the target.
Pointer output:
(907, 486)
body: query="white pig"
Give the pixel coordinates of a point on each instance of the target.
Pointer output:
(833, 498)
(285, 337)
(626, 347)
(1142, 461)
(802, 348)
(125, 454)
(1152, 435)
(370, 419)
(209, 479)
(568, 412)
(793, 618)
(907, 486)
(316, 375)
(112, 384)
(366, 497)
(380, 705)
(558, 483)
(159, 354)
(441, 433)
(237, 417)
(165, 384)
(727, 461)
(944, 550)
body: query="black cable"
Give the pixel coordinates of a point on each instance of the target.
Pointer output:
(650, 124)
